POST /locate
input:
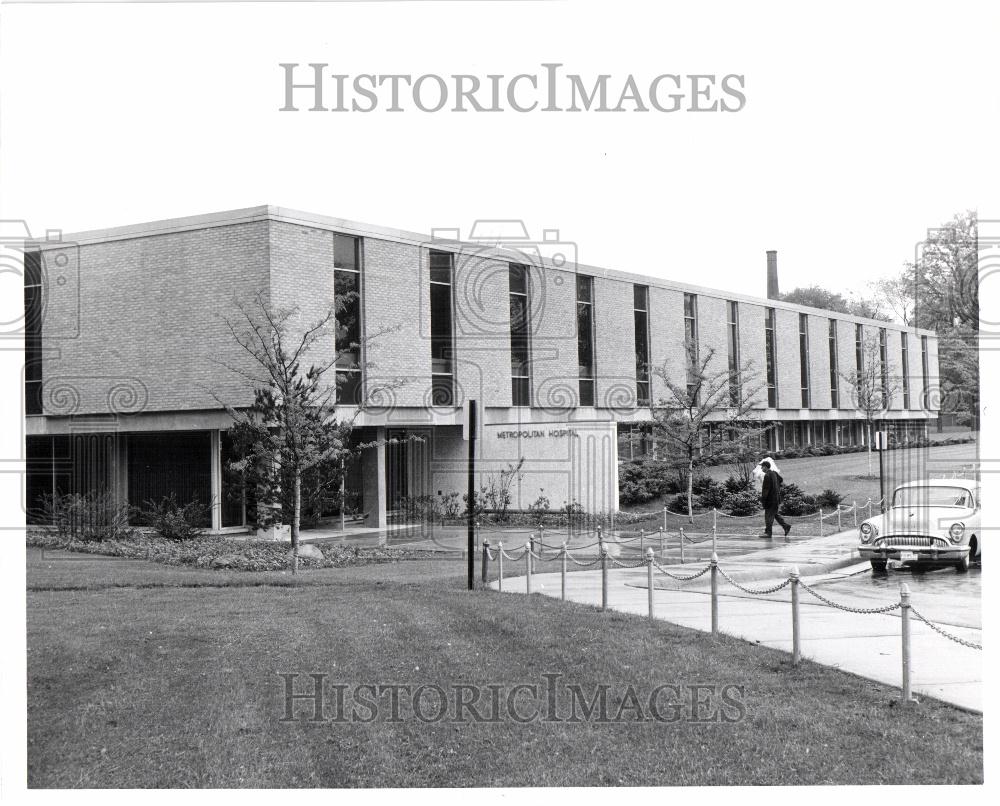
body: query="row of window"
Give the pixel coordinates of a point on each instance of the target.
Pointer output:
(347, 263)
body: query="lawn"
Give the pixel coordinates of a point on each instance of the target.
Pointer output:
(845, 473)
(151, 676)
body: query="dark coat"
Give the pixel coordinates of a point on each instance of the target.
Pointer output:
(770, 493)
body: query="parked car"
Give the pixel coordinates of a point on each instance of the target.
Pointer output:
(933, 523)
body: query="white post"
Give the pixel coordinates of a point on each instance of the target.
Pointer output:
(855, 507)
(664, 518)
(565, 552)
(715, 593)
(840, 526)
(649, 580)
(604, 579)
(682, 545)
(796, 652)
(904, 612)
(821, 522)
(500, 565)
(527, 566)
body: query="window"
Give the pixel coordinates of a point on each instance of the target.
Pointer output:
(32, 333)
(924, 367)
(770, 359)
(883, 358)
(804, 358)
(640, 313)
(442, 335)
(735, 393)
(585, 337)
(691, 342)
(834, 367)
(905, 338)
(859, 350)
(519, 336)
(347, 298)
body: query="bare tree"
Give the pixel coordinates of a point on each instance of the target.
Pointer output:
(709, 414)
(872, 388)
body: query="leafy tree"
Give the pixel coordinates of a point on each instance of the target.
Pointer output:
(817, 297)
(291, 432)
(708, 414)
(872, 389)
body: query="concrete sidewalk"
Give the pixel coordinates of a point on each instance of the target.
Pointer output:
(868, 645)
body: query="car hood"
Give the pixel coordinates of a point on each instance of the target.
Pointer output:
(922, 520)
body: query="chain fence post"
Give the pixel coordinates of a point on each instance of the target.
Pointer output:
(904, 614)
(714, 528)
(531, 541)
(714, 562)
(604, 578)
(642, 539)
(649, 580)
(527, 565)
(565, 555)
(682, 545)
(796, 648)
(869, 505)
(855, 508)
(500, 566)
(821, 522)
(664, 518)
(840, 526)
(600, 541)
(486, 560)
(541, 533)
(478, 533)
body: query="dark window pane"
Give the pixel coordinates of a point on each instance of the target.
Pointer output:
(584, 289)
(520, 394)
(642, 393)
(585, 339)
(176, 463)
(349, 388)
(640, 297)
(586, 393)
(233, 491)
(518, 279)
(441, 328)
(440, 267)
(38, 476)
(345, 252)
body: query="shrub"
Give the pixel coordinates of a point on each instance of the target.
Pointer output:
(175, 521)
(713, 496)
(541, 504)
(829, 499)
(795, 502)
(790, 453)
(634, 492)
(679, 503)
(700, 483)
(450, 505)
(87, 518)
(737, 484)
(743, 502)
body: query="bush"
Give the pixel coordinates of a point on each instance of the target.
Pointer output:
(679, 503)
(541, 504)
(744, 502)
(795, 502)
(176, 522)
(790, 453)
(737, 484)
(829, 499)
(713, 496)
(699, 484)
(87, 518)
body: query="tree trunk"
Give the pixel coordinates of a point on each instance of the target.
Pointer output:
(296, 512)
(690, 489)
(869, 448)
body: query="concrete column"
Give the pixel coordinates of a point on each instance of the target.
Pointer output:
(215, 459)
(373, 474)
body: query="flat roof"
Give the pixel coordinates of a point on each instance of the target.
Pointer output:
(268, 212)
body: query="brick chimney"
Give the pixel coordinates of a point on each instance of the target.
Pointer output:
(772, 274)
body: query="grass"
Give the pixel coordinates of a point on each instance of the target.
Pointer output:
(149, 676)
(846, 473)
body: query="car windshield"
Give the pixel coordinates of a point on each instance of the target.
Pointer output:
(932, 497)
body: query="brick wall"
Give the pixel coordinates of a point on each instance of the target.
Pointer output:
(819, 362)
(789, 380)
(666, 324)
(152, 323)
(752, 350)
(554, 366)
(614, 344)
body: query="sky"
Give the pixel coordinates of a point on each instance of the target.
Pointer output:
(864, 125)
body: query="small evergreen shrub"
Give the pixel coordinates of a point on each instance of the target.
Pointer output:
(742, 503)
(175, 521)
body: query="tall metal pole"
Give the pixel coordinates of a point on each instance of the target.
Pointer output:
(881, 470)
(471, 508)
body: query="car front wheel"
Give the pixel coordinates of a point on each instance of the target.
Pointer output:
(962, 566)
(878, 566)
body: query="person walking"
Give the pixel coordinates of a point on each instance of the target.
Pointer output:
(770, 499)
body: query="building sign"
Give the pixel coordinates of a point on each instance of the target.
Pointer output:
(537, 433)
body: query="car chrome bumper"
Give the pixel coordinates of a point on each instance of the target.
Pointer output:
(927, 554)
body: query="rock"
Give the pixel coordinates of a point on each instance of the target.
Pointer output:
(307, 551)
(226, 561)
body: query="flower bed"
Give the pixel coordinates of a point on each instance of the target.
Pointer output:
(226, 553)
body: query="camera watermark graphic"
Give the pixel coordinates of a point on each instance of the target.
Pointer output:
(317, 697)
